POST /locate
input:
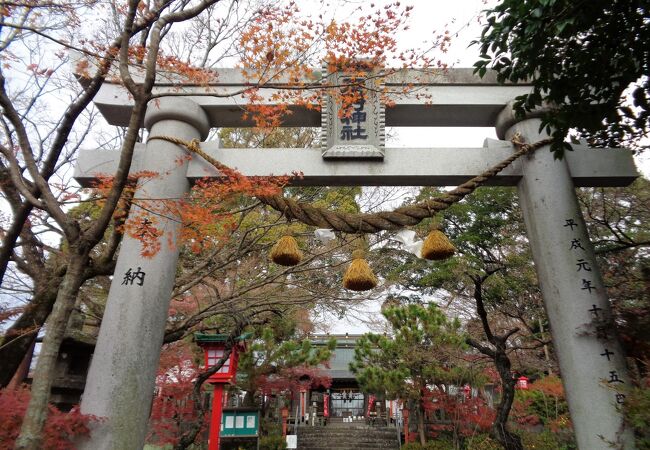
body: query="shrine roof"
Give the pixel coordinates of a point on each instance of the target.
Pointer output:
(206, 338)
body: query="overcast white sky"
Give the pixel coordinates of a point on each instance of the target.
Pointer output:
(461, 18)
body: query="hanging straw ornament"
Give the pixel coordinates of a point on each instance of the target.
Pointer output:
(286, 252)
(359, 276)
(437, 247)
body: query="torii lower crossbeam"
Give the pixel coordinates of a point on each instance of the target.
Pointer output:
(400, 167)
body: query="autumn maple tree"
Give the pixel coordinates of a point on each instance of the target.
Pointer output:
(173, 403)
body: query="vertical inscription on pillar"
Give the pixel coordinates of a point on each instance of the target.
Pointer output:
(353, 116)
(601, 323)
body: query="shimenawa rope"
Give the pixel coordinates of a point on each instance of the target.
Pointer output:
(369, 222)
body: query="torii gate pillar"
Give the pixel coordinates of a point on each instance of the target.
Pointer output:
(122, 375)
(592, 363)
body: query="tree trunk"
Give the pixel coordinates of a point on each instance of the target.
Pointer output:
(18, 339)
(507, 439)
(421, 430)
(249, 399)
(30, 437)
(23, 369)
(510, 441)
(20, 336)
(547, 356)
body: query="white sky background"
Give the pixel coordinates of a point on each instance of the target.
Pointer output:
(461, 18)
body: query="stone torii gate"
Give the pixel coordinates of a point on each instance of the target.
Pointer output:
(121, 379)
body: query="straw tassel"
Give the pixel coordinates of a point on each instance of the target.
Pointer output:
(359, 276)
(285, 252)
(437, 247)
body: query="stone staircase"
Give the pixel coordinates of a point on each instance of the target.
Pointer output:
(347, 436)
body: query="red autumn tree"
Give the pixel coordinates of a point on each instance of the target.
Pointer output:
(467, 416)
(173, 403)
(60, 430)
(290, 379)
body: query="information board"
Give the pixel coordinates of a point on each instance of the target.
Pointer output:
(240, 423)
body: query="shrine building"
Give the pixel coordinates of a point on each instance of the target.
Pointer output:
(343, 401)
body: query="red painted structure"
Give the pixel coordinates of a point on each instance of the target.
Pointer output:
(468, 391)
(214, 346)
(522, 383)
(371, 403)
(285, 415)
(326, 405)
(405, 416)
(303, 401)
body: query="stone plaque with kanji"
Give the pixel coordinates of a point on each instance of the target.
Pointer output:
(353, 115)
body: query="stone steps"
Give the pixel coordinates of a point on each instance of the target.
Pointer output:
(338, 447)
(347, 436)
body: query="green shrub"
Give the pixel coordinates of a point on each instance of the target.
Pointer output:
(637, 414)
(482, 442)
(438, 444)
(412, 446)
(273, 443)
(546, 440)
(538, 404)
(270, 427)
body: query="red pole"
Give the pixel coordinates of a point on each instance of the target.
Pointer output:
(285, 415)
(405, 416)
(215, 420)
(23, 368)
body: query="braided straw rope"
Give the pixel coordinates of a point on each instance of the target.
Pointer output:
(370, 222)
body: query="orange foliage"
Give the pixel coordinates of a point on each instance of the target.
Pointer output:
(550, 385)
(8, 313)
(281, 47)
(173, 405)
(466, 415)
(291, 378)
(278, 49)
(205, 213)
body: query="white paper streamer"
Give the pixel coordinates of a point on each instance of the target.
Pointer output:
(405, 236)
(409, 242)
(324, 235)
(415, 247)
